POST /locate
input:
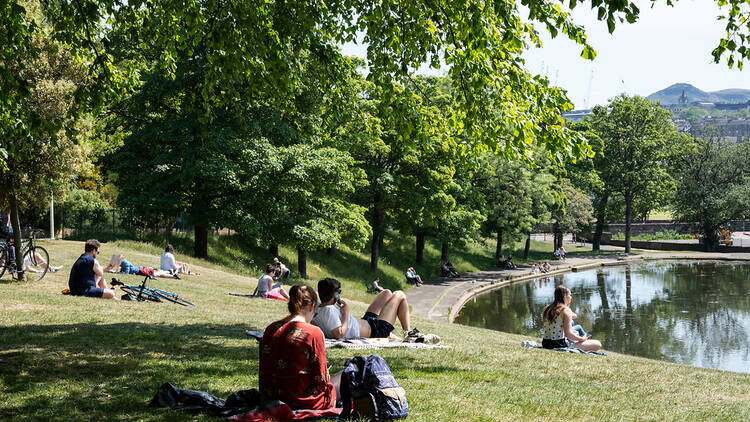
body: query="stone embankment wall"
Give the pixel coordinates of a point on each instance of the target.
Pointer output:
(653, 226)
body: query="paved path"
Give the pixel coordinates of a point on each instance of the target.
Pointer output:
(440, 299)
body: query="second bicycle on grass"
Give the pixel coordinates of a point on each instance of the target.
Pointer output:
(35, 258)
(143, 293)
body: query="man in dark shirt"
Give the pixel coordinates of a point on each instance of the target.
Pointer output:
(87, 276)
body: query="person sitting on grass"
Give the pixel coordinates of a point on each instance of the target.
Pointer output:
(293, 365)
(336, 322)
(560, 253)
(413, 277)
(168, 263)
(266, 288)
(281, 270)
(374, 287)
(447, 270)
(118, 263)
(87, 276)
(557, 318)
(39, 262)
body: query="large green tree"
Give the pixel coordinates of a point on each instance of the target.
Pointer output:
(713, 186)
(638, 143)
(43, 139)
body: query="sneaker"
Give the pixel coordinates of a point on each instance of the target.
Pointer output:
(412, 336)
(55, 269)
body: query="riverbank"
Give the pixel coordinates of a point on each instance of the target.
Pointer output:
(441, 299)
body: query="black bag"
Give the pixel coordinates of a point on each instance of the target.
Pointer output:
(369, 391)
(200, 401)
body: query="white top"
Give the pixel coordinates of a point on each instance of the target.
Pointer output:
(553, 330)
(263, 283)
(167, 262)
(329, 318)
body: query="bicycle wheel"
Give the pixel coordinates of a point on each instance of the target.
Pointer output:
(174, 298)
(37, 260)
(146, 294)
(3, 260)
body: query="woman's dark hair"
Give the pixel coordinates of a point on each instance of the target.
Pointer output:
(301, 296)
(270, 268)
(169, 248)
(552, 310)
(327, 287)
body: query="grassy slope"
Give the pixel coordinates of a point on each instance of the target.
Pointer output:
(69, 358)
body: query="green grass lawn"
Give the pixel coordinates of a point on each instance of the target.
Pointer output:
(78, 359)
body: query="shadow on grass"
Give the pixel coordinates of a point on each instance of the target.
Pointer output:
(88, 371)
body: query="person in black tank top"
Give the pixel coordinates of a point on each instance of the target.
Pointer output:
(87, 276)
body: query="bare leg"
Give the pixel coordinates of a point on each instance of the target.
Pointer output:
(101, 282)
(397, 307)
(283, 292)
(588, 345)
(379, 302)
(163, 274)
(109, 294)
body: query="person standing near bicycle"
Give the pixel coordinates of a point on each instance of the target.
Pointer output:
(6, 232)
(87, 276)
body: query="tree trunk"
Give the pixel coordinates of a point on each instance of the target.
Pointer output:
(302, 262)
(499, 246)
(201, 241)
(558, 235)
(601, 217)
(273, 250)
(331, 250)
(378, 216)
(444, 252)
(628, 216)
(527, 247)
(15, 222)
(710, 240)
(420, 248)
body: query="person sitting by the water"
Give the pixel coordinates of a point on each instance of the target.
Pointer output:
(118, 263)
(334, 319)
(293, 365)
(413, 277)
(557, 318)
(501, 261)
(546, 267)
(87, 276)
(535, 269)
(266, 288)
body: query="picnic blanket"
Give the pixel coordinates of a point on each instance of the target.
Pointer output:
(363, 343)
(533, 345)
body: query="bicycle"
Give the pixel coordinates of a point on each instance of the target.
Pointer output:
(142, 293)
(35, 257)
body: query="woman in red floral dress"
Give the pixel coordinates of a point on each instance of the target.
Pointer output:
(293, 358)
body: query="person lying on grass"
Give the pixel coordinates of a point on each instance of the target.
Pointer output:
(87, 276)
(558, 318)
(334, 319)
(293, 365)
(39, 262)
(266, 288)
(118, 263)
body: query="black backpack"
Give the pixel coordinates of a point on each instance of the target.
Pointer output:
(369, 391)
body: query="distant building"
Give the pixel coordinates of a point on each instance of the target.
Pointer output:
(577, 115)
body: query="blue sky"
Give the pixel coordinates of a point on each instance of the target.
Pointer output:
(666, 45)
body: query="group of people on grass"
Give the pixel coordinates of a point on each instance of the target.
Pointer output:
(87, 275)
(293, 365)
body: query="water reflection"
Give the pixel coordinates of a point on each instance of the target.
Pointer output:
(692, 313)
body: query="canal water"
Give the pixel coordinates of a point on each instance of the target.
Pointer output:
(696, 313)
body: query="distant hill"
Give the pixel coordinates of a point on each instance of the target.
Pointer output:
(671, 95)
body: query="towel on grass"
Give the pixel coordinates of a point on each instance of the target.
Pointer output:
(362, 343)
